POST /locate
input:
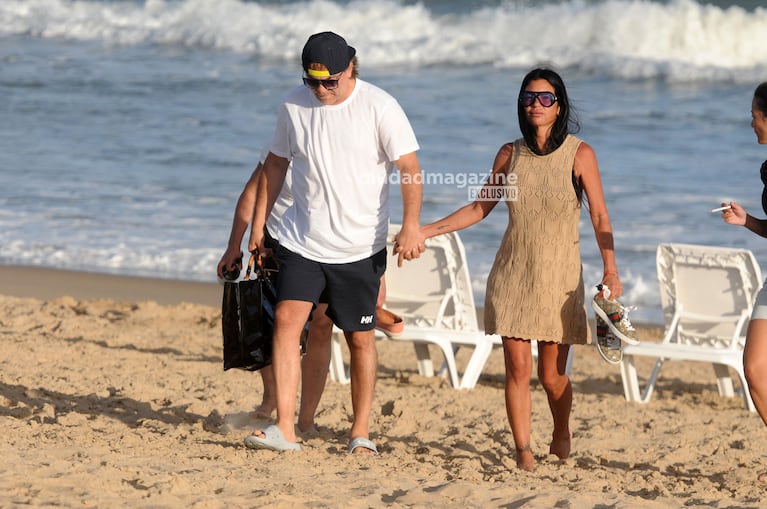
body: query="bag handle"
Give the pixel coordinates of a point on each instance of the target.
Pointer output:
(251, 262)
(256, 266)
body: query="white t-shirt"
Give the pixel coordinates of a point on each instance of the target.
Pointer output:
(342, 158)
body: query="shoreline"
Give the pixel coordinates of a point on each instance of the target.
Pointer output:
(47, 283)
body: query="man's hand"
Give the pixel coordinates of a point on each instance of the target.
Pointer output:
(409, 243)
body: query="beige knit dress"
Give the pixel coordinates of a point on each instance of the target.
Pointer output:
(535, 288)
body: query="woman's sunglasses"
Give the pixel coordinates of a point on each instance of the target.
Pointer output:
(329, 84)
(547, 99)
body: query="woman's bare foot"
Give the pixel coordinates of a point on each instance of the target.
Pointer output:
(561, 447)
(525, 459)
(264, 411)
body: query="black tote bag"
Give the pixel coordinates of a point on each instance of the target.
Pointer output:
(247, 319)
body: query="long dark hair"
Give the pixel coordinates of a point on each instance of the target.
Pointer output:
(760, 100)
(566, 123)
(760, 94)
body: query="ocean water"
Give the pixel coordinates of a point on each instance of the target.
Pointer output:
(128, 128)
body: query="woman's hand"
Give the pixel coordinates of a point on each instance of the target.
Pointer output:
(735, 214)
(613, 282)
(256, 242)
(230, 262)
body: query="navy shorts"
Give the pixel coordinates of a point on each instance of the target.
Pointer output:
(350, 289)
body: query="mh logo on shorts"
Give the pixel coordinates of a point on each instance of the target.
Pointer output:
(366, 319)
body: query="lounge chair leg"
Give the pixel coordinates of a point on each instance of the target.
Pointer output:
(647, 394)
(630, 379)
(723, 380)
(425, 366)
(477, 361)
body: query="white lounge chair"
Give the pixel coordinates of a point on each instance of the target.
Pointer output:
(707, 294)
(433, 294)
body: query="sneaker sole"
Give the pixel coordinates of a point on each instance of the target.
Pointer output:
(607, 359)
(613, 328)
(603, 352)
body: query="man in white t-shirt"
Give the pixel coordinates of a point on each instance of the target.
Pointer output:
(344, 138)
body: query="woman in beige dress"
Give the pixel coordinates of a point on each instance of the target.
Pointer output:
(535, 289)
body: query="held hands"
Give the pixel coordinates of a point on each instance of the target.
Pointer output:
(735, 214)
(409, 243)
(613, 282)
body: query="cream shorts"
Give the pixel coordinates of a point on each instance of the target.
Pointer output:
(760, 306)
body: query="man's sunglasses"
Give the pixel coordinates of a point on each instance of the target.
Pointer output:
(329, 84)
(547, 99)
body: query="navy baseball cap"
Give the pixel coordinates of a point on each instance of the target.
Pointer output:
(329, 50)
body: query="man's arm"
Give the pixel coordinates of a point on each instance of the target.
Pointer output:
(269, 187)
(409, 243)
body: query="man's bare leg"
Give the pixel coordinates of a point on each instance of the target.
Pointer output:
(364, 368)
(290, 317)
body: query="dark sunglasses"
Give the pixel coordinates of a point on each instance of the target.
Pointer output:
(547, 99)
(329, 84)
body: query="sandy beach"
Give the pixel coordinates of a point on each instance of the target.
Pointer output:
(112, 393)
